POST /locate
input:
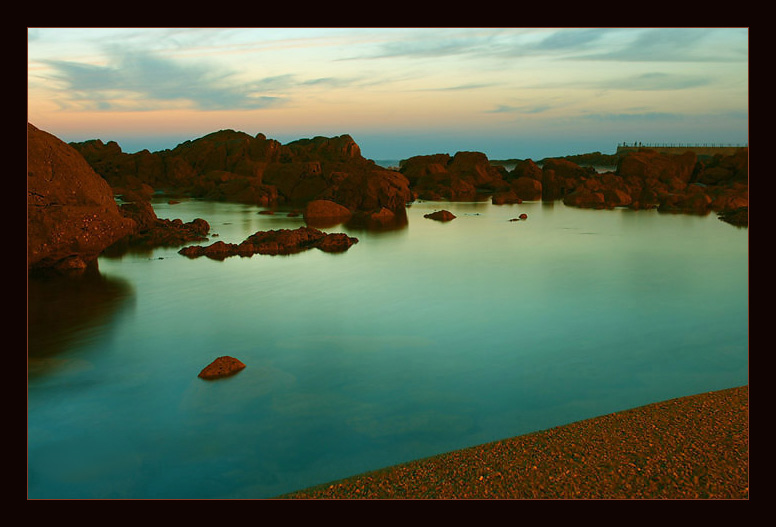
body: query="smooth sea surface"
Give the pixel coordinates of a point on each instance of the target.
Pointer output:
(416, 341)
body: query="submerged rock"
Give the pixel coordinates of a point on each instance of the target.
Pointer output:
(221, 367)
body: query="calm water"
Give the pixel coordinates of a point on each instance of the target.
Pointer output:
(415, 342)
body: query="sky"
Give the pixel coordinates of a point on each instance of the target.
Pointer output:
(399, 92)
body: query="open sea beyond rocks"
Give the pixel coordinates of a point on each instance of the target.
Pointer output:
(416, 341)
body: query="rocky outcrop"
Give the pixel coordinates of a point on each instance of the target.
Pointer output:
(72, 215)
(367, 191)
(225, 366)
(460, 177)
(647, 179)
(672, 172)
(561, 177)
(440, 215)
(274, 242)
(234, 166)
(524, 184)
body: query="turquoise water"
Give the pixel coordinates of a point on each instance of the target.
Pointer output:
(416, 341)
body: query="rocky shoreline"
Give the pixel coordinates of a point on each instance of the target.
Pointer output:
(73, 215)
(694, 447)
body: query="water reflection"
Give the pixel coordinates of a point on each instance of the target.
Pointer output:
(65, 310)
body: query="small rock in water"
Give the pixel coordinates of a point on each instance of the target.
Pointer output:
(440, 215)
(221, 367)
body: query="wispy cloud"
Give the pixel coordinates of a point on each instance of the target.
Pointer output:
(432, 43)
(460, 87)
(649, 81)
(505, 108)
(658, 81)
(599, 44)
(675, 45)
(569, 39)
(139, 81)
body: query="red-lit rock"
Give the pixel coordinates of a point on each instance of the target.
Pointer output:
(71, 213)
(221, 367)
(274, 242)
(323, 212)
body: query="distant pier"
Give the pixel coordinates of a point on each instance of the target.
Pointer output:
(701, 149)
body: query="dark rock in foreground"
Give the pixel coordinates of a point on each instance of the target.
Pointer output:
(274, 242)
(440, 215)
(71, 213)
(221, 367)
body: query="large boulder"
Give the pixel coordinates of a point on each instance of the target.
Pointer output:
(72, 215)
(526, 168)
(324, 212)
(527, 188)
(585, 198)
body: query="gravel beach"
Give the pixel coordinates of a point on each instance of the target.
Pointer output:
(694, 447)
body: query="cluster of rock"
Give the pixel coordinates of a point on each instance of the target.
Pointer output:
(456, 178)
(73, 217)
(235, 166)
(642, 179)
(333, 183)
(151, 231)
(274, 242)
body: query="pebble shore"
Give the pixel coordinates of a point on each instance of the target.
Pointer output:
(694, 447)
